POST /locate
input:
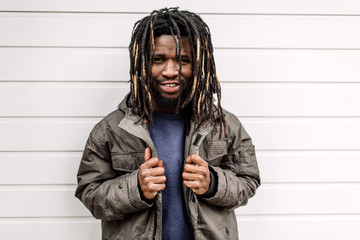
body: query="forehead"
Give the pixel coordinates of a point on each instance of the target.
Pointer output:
(167, 43)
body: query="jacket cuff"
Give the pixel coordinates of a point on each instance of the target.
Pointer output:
(220, 188)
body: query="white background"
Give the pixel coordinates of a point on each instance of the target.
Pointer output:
(289, 70)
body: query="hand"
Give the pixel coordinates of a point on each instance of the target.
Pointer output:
(151, 176)
(196, 174)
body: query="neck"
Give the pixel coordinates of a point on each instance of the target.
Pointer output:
(167, 110)
(164, 109)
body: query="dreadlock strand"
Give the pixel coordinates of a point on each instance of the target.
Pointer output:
(198, 105)
(197, 49)
(152, 34)
(134, 79)
(146, 78)
(196, 68)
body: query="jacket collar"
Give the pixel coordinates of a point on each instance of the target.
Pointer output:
(197, 134)
(126, 103)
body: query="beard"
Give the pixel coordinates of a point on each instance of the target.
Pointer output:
(164, 101)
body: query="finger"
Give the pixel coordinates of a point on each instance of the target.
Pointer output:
(160, 163)
(194, 177)
(149, 191)
(156, 171)
(191, 184)
(150, 163)
(189, 158)
(196, 187)
(158, 180)
(151, 172)
(191, 168)
(147, 154)
(196, 159)
(151, 183)
(150, 180)
(157, 187)
(196, 169)
(188, 176)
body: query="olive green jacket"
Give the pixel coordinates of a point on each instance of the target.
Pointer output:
(108, 178)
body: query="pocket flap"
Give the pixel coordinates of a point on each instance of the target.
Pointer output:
(128, 162)
(213, 150)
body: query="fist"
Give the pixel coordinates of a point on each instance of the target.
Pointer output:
(196, 174)
(151, 176)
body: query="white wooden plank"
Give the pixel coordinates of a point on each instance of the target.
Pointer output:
(309, 166)
(330, 227)
(103, 64)
(39, 168)
(59, 201)
(304, 133)
(64, 64)
(287, 65)
(72, 29)
(304, 199)
(48, 134)
(202, 6)
(275, 167)
(60, 99)
(279, 99)
(41, 201)
(299, 227)
(284, 31)
(114, 30)
(243, 99)
(50, 228)
(70, 134)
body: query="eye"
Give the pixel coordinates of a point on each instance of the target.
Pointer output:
(157, 59)
(185, 60)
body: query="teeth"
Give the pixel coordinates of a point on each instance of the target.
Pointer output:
(170, 85)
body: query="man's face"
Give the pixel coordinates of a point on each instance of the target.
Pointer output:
(165, 72)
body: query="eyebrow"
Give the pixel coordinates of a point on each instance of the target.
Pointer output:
(163, 55)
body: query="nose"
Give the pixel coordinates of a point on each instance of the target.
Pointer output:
(171, 69)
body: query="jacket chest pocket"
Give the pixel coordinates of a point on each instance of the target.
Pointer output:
(214, 151)
(127, 162)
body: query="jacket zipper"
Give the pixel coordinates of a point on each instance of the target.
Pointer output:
(189, 196)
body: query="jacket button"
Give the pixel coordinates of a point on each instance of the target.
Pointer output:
(120, 185)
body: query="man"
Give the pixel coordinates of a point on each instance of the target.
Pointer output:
(169, 163)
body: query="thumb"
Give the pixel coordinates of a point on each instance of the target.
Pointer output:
(160, 163)
(147, 154)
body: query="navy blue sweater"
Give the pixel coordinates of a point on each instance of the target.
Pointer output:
(168, 135)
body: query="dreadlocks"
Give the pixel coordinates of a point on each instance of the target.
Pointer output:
(196, 100)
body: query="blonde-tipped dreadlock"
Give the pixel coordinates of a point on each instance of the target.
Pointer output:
(197, 99)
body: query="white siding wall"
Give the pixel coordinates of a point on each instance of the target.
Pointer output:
(290, 71)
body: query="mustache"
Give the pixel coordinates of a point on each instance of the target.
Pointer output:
(162, 80)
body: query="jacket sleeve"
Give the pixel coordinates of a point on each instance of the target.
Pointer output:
(108, 194)
(238, 173)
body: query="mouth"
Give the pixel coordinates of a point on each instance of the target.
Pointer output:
(169, 87)
(169, 84)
